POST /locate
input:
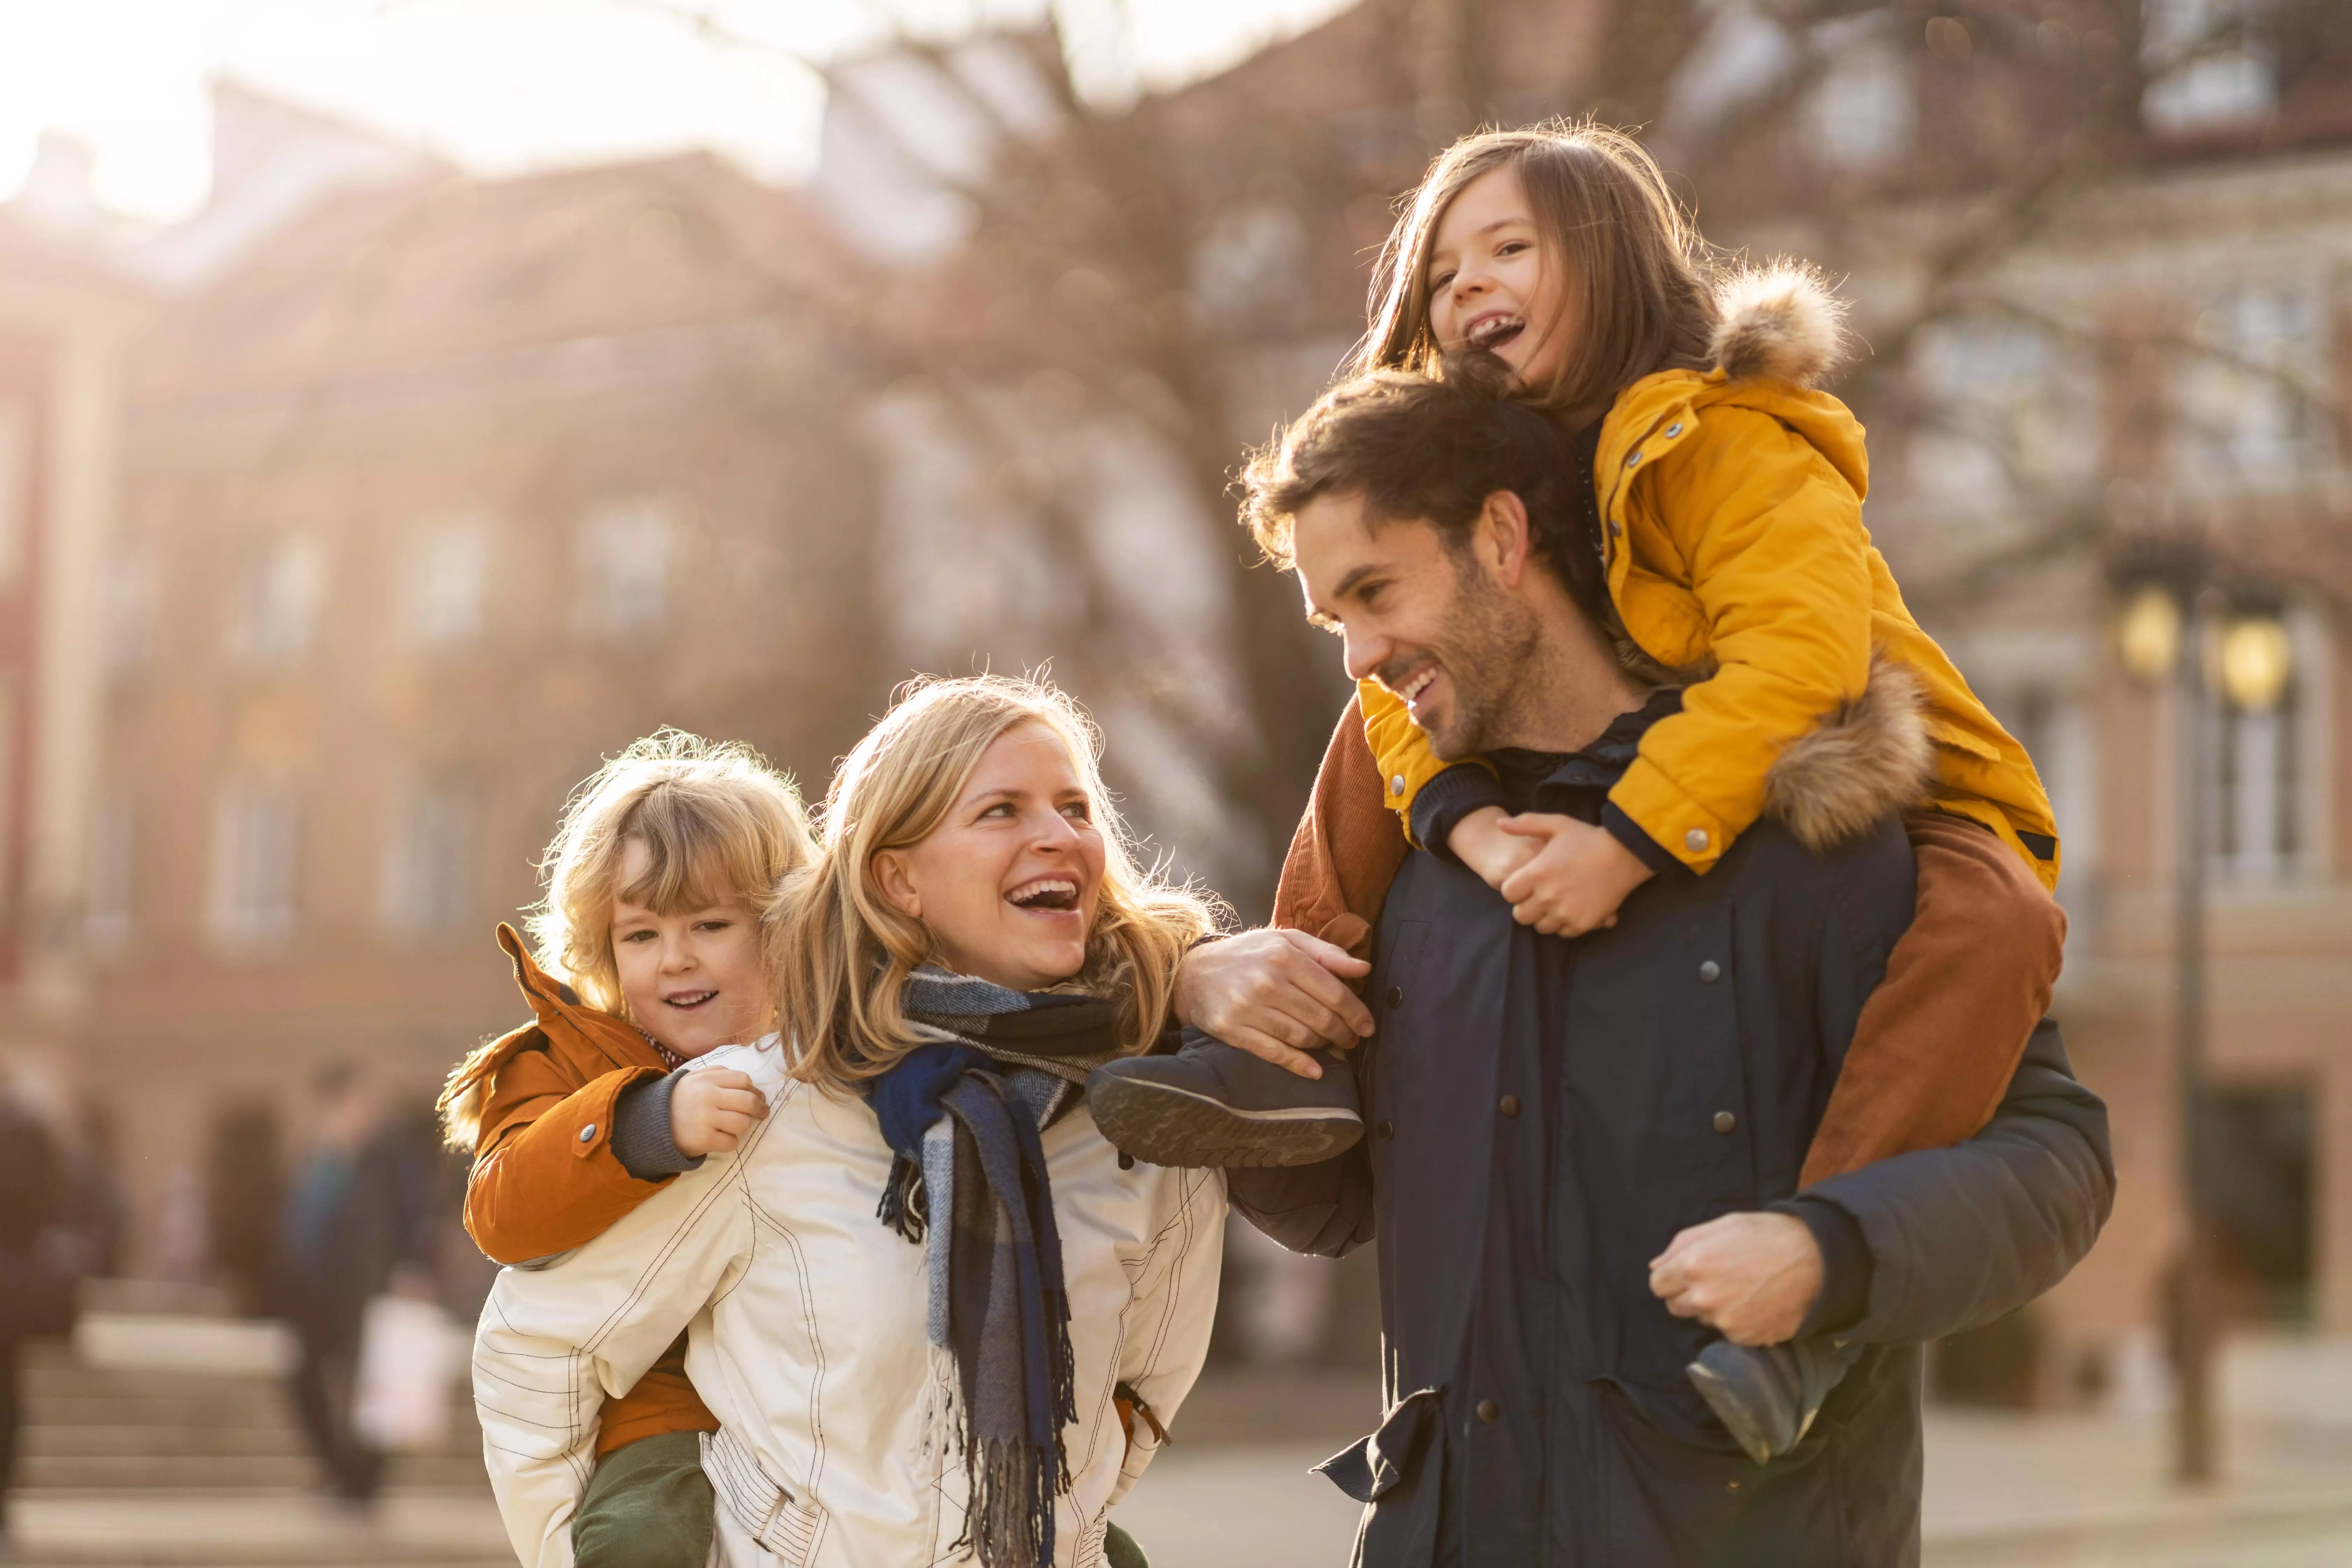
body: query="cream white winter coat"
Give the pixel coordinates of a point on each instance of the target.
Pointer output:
(807, 1340)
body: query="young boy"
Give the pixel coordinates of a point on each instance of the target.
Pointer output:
(656, 885)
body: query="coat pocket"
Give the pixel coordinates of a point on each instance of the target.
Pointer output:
(756, 1505)
(1672, 1499)
(1399, 1475)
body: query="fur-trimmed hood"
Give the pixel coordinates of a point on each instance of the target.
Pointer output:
(1779, 323)
(1867, 760)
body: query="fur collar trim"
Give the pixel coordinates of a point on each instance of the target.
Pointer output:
(1867, 760)
(1778, 323)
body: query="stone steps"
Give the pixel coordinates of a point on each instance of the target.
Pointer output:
(92, 1428)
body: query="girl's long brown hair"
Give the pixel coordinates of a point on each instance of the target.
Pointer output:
(1631, 267)
(843, 953)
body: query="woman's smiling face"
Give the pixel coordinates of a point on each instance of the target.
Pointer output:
(1490, 284)
(1007, 884)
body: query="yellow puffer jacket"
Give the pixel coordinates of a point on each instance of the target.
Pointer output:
(1731, 504)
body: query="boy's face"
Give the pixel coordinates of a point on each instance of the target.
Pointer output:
(1490, 285)
(1007, 885)
(1441, 627)
(693, 979)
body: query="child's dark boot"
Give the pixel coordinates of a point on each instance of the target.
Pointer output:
(1212, 1104)
(1768, 1395)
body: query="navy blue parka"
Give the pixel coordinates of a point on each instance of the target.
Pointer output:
(1546, 1115)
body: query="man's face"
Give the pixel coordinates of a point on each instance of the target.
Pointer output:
(1429, 623)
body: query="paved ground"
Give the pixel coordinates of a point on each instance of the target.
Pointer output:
(234, 1529)
(2056, 1491)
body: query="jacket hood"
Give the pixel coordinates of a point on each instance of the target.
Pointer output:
(562, 1012)
(1867, 760)
(1779, 331)
(1778, 323)
(563, 1020)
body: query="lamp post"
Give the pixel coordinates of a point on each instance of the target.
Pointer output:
(2165, 631)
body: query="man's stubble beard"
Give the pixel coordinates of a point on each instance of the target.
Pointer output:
(1491, 647)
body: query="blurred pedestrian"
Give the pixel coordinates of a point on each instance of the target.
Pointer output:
(37, 1283)
(357, 1225)
(243, 1193)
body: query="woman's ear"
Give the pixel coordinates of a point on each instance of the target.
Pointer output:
(894, 879)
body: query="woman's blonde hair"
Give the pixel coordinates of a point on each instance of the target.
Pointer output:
(842, 952)
(717, 821)
(1633, 268)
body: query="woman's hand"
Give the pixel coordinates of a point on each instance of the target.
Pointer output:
(710, 1111)
(1275, 993)
(1750, 1277)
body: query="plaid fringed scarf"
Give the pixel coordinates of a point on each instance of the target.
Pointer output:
(961, 1113)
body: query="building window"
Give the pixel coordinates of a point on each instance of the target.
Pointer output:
(256, 833)
(112, 875)
(444, 584)
(1999, 408)
(15, 486)
(429, 861)
(2245, 420)
(2210, 67)
(129, 615)
(2258, 835)
(1863, 112)
(2271, 791)
(621, 559)
(1252, 265)
(9, 751)
(278, 601)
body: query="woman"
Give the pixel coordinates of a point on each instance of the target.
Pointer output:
(923, 1294)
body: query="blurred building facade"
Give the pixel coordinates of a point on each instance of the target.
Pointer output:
(423, 494)
(2163, 367)
(66, 322)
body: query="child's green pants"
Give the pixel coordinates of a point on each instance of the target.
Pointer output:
(648, 1506)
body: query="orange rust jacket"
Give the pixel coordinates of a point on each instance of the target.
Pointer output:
(545, 1179)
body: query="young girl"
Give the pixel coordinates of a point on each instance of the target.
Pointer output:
(655, 883)
(1727, 512)
(924, 1295)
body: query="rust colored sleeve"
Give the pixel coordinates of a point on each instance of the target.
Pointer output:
(1347, 849)
(1939, 1039)
(663, 1401)
(545, 1178)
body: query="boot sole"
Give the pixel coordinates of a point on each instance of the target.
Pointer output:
(1746, 1425)
(1176, 1128)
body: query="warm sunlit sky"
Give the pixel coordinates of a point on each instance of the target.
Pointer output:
(503, 85)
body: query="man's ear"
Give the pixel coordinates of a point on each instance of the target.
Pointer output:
(1506, 542)
(893, 880)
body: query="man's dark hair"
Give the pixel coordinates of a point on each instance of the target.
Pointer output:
(1422, 448)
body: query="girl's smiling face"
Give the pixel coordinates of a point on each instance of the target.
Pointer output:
(1008, 883)
(1490, 284)
(693, 978)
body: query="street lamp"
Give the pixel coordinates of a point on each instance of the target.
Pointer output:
(2163, 632)
(2147, 633)
(2256, 659)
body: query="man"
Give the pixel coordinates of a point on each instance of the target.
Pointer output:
(1584, 1154)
